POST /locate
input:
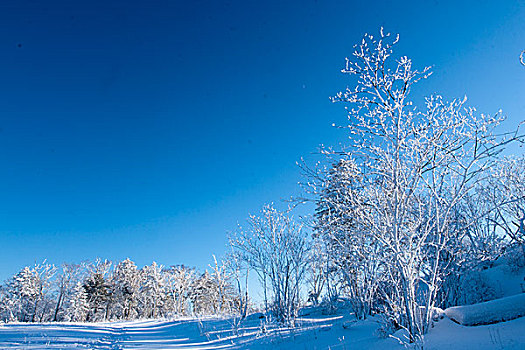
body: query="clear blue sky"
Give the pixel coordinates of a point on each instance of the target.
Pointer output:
(148, 129)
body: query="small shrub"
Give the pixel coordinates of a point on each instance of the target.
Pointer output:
(476, 289)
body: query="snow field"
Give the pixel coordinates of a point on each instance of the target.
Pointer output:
(319, 332)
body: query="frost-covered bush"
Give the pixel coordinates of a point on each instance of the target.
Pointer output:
(515, 257)
(387, 327)
(475, 288)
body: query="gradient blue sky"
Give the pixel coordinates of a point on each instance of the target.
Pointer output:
(148, 129)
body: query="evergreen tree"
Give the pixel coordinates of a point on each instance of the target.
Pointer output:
(98, 296)
(126, 285)
(79, 305)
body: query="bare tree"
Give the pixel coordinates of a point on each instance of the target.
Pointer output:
(506, 192)
(276, 249)
(415, 166)
(240, 273)
(64, 285)
(179, 280)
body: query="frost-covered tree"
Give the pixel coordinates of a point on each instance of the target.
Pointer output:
(203, 295)
(414, 165)
(506, 192)
(8, 305)
(152, 295)
(28, 293)
(276, 248)
(24, 289)
(212, 292)
(239, 273)
(179, 280)
(64, 285)
(78, 305)
(125, 284)
(98, 290)
(224, 297)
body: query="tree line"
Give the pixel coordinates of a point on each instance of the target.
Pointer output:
(102, 291)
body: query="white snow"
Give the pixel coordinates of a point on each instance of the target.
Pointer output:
(447, 335)
(493, 311)
(319, 332)
(503, 280)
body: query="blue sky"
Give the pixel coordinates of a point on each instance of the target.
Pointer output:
(148, 129)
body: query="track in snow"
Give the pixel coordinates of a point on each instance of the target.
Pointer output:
(189, 334)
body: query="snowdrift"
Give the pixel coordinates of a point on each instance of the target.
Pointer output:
(489, 312)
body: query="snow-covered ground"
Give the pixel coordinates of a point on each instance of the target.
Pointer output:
(503, 280)
(319, 332)
(315, 333)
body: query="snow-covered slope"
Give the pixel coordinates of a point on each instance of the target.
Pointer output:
(504, 280)
(447, 335)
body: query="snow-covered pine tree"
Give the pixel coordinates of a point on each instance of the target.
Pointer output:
(78, 305)
(98, 292)
(350, 252)
(126, 286)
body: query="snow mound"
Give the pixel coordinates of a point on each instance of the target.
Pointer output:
(489, 312)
